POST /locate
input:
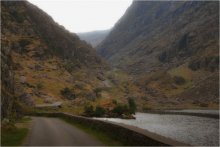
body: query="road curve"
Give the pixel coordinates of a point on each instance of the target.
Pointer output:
(55, 132)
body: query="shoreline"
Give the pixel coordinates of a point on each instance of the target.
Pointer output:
(183, 112)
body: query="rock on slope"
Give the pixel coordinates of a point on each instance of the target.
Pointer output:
(42, 62)
(94, 38)
(165, 43)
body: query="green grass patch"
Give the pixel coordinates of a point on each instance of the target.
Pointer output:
(101, 136)
(182, 71)
(13, 137)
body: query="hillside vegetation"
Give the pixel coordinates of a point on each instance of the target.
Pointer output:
(162, 55)
(172, 50)
(43, 63)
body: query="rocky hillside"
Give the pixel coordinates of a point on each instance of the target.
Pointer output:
(172, 46)
(94, 38)
(43, 63)
(7, 81)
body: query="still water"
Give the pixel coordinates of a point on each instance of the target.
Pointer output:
(191, 130)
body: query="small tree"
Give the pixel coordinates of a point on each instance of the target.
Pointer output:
(66, 92)
(132, 105)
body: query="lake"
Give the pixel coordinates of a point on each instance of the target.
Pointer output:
(191, 130)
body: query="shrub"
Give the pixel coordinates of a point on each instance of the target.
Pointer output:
(144, 98)
(24, 42)
(66, 92)
(99, 111)
(209, 63)
(70, 66)
(194, 65)
(179, 80)
(114, 102)
(18, 17)
(79, 86)
(98, 91)
(88, 110)
(163, 57)
(120, 109)
(129, 109)
(39, 85)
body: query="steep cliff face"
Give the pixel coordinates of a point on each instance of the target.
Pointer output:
(168, 42)
(152, 34)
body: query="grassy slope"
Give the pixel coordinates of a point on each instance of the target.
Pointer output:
(53, 77)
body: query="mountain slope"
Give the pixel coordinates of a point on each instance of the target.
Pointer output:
(43, 63)
(171, 48)
(94, 38)
(160, 32)
(38, 57)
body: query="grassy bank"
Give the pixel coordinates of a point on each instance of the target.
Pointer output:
(13, 137)
(101, 136)
(13, 134)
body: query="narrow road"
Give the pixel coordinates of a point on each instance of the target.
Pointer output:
(55, 132)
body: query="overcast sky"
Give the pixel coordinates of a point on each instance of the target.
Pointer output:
(84, 15)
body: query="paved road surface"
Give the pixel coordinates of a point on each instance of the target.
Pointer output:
(55, 132)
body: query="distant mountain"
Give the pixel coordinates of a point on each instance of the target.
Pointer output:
(172, 46)
(94, 38)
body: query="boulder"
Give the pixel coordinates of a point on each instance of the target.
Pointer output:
(100, 77)
(27, 99)
(48, 99)
(23, 79)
